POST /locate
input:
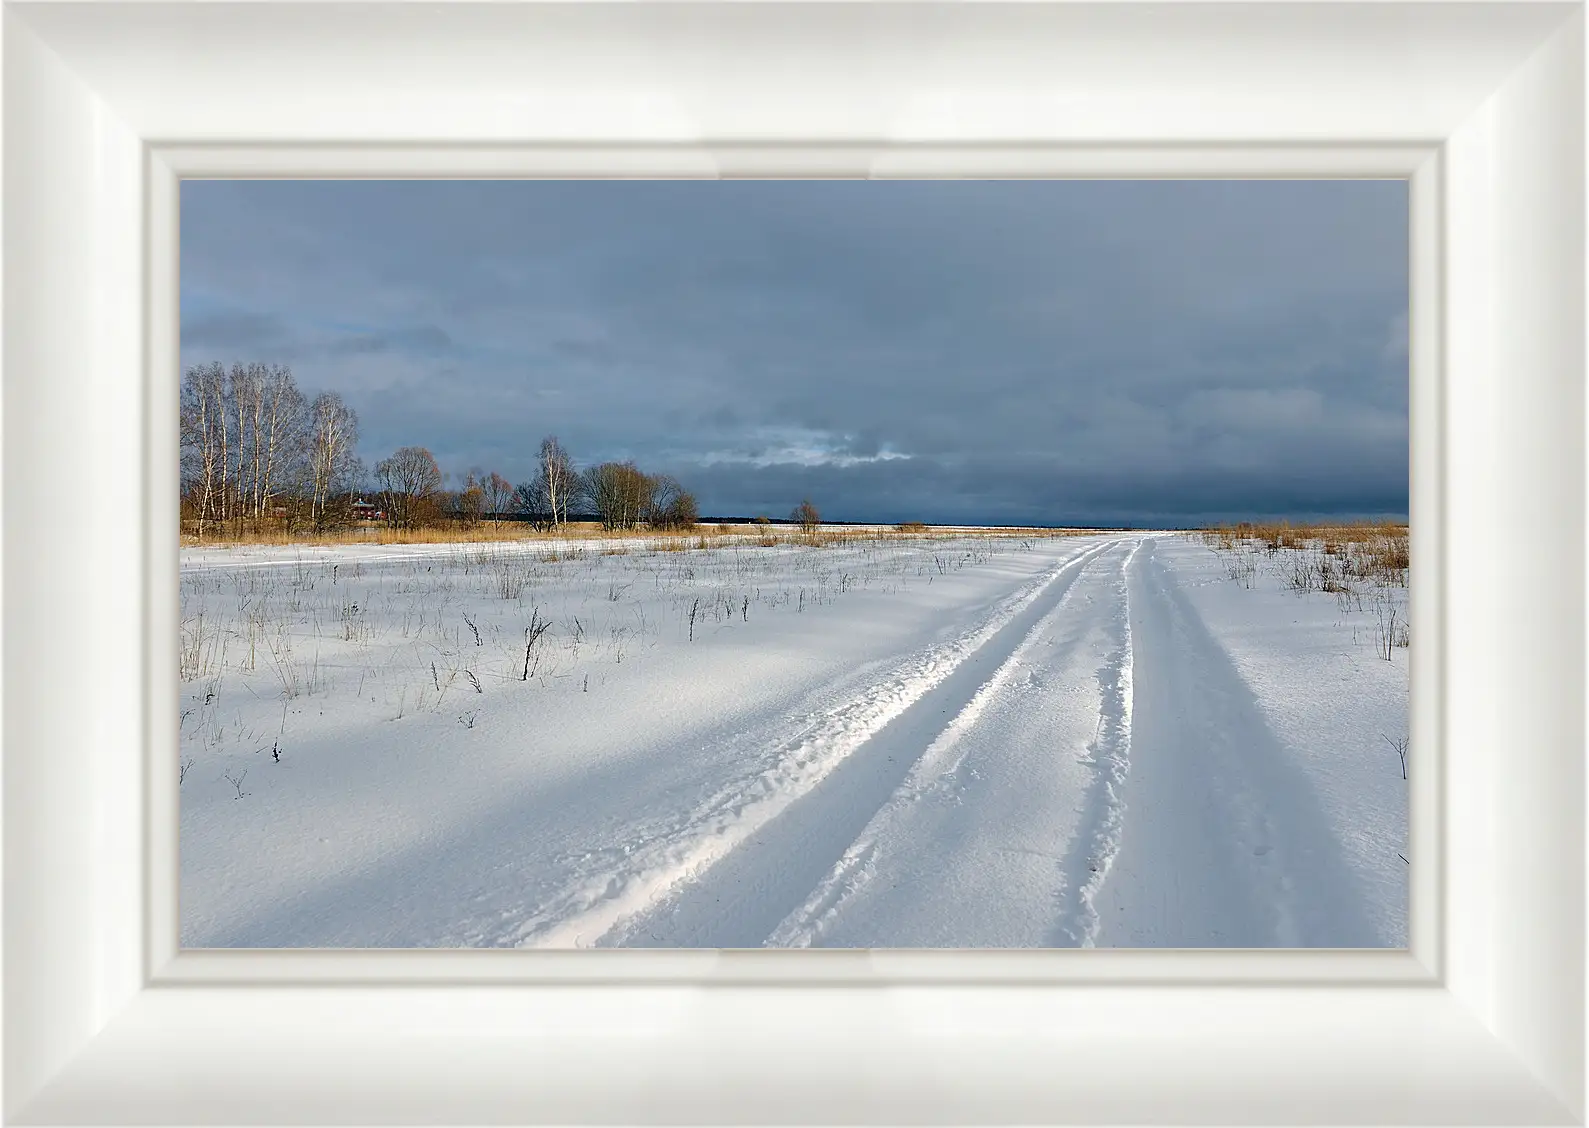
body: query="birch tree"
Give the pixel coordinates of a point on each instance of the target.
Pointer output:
(203, 442)
(332, 465)
(558, 483)
(281, 436)
(247, 403)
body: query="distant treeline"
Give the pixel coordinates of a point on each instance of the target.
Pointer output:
(408, 488)
(256, 450)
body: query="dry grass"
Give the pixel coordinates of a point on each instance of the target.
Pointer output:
(651, 540)
(827, 536)
(1376, 551)
(1362, 565)
(1283, 534)
(484, 532)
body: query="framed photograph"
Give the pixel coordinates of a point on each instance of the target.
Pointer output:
(139, 988)
(618, 564)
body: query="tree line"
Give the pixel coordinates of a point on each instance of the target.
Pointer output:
(256, 449)
(409, 490)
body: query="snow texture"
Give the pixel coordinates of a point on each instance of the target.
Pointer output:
(964, 741)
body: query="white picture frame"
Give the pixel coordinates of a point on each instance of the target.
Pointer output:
(1480, 106)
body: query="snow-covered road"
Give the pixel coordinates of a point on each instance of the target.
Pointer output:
(1092, 741)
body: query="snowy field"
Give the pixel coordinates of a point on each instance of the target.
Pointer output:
(980, 741)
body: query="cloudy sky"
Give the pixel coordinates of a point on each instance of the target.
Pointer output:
(1038, 352)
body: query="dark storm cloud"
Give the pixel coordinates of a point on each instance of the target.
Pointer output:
(977, 351)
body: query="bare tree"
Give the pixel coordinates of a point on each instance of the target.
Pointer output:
(247, 404)
(243, 440)
(204, 431)
(470, 501)
(260, 436)
(806, 516)
(557, 481)
(682, 512)
(528, 503)
(664, 488)
(602, 487)
(282, 432)
(670, 506)
(619, 492)
(332, 465)
(226, 444)
(409, 482)
(498, 494)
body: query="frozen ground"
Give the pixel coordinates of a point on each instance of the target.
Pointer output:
(979, 741)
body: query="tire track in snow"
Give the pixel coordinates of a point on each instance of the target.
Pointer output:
(941, 763)
(1226, 844)
(1097, 841)
(659, 876)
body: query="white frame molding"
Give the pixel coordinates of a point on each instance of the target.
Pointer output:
(1479, 105)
